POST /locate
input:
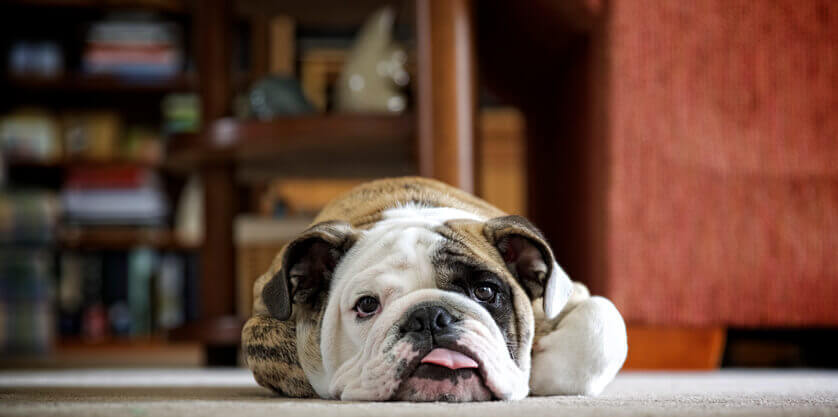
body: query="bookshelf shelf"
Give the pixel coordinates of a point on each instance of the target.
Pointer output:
(141, 352)
(25, 163)
(317, 13)
(221, 330)
(166, 6)
(311, 145)
(102, 84)
(112, 238)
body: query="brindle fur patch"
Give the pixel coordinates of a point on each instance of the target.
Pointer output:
(270, 349)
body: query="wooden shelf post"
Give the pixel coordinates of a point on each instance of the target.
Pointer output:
(213, 33)
(447, 91)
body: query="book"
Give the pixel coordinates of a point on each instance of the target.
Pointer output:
(124, 294)
(28, 217)
(26, 319)
(142, 207)
(114, 196)
(142, 263)
(169, 286)
(115, 288)
(124, 177)
(142, 48)
(94, 321)
(70, 300)
(192, 287)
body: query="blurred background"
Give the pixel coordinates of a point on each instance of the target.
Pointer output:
(156, 154)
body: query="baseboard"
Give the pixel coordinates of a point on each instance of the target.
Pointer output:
(675, 348)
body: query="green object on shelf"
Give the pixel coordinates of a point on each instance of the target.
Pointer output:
(277, 96)
(181, 113)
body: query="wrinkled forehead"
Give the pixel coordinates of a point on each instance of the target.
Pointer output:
(403, 250)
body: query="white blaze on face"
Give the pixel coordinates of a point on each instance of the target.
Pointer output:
(365, 359)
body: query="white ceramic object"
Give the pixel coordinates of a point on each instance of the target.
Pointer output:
(374, 73)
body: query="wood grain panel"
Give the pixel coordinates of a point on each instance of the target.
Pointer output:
(447, 86)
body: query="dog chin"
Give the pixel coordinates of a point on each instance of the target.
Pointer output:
(435, 383)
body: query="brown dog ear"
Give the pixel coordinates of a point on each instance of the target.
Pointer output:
(307, 266)
(530, 259)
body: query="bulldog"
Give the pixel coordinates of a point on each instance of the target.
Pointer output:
(408, 289)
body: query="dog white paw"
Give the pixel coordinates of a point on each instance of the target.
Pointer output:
(583, 354)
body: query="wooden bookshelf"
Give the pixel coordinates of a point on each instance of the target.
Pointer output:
(228, 150)
(330, 145)
(137, 102)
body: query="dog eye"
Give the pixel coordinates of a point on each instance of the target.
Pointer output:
(485, 293)
(367, 306)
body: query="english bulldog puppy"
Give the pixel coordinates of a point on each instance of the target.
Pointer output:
(408, 289)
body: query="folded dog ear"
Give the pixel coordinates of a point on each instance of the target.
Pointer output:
(529, 258)
(307, 266)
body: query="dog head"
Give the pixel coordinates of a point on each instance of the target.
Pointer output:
(427, 304)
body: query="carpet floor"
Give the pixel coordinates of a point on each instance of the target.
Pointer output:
(232, 392)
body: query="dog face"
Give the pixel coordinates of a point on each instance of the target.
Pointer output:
(428, 304)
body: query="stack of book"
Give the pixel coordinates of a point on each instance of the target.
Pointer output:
(118, 195)
(138, 49)
(28, 218)
(113, 294)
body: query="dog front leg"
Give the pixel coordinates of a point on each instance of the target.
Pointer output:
(579, 352)
(270, 351)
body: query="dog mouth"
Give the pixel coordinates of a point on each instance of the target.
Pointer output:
(450, 359)
(447, 375)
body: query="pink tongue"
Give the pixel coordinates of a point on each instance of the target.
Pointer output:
(449, 359)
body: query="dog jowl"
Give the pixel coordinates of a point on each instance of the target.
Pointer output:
(406, 289)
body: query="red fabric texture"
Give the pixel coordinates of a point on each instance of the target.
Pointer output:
(723, 142)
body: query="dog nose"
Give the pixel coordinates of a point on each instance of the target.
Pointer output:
(433, 318)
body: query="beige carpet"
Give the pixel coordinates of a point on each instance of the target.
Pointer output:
(138, 393)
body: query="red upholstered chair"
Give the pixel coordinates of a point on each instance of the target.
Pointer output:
(723, 196)
(722, 200)
(684, 160)
(722, 206)
(722, 203)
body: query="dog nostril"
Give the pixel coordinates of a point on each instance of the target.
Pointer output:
(443, 319)
(415, 325)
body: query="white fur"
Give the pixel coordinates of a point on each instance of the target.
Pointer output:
(584, 353)
(558, 291)
(431, 216)
(392, 261)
